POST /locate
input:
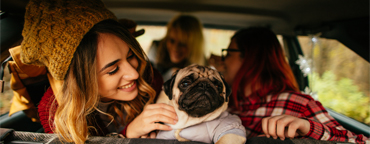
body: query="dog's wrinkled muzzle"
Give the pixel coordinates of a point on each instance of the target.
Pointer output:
(200, 99)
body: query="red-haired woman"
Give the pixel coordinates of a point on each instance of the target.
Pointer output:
(266, 95)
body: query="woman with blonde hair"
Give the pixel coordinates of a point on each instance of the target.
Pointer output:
(101, 80)
(183, 45)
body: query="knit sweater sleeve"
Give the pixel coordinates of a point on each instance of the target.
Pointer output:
(325, 127)
(46, 110)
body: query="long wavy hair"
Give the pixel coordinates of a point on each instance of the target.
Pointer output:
(189, 30)
(79, 97)
(264, 66)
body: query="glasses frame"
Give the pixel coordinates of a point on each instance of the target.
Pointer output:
(228, 50)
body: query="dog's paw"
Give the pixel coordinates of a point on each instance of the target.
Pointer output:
(231, 139)
(178, 137)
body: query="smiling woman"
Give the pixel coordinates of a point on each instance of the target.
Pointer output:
(98, 73)
(117, 66)
(182, 45)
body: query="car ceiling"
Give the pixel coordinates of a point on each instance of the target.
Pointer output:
(287, 17)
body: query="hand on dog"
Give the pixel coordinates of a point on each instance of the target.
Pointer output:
(146, 122)
(285, 126)
(151, 135)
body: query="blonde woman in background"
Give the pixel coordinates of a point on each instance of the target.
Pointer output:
(183, 45)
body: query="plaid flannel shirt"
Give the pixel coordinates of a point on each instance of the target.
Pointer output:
(323, 127)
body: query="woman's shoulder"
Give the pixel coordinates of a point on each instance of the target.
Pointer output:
(47, 100)
(294, 97)
(44, 107)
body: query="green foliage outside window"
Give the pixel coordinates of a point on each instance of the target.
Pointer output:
(342, 96)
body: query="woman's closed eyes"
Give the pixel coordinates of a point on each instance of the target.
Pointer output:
(113, 71)
(130, 55)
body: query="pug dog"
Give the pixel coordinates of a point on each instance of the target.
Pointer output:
(200, 97)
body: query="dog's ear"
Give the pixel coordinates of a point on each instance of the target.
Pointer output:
(168, 85)
(228, 88)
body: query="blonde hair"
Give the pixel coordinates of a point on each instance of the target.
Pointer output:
(189, 29)
(73, 119)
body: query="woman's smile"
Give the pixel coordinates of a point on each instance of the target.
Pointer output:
(128, 87)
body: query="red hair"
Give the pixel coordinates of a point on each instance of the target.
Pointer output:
(264, 66)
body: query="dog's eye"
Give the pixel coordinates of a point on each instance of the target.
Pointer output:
(218, 85)
(184, 84)
(219, 88)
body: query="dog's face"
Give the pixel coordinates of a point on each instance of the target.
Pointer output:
(201, 90)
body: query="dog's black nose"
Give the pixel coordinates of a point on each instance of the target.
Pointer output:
(203, 85)
(200, 85)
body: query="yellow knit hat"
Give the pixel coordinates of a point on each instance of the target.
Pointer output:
(53, 29)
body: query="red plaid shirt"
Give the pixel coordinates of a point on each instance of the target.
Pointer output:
(323, 126)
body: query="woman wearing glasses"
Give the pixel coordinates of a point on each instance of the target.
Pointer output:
(266, 95)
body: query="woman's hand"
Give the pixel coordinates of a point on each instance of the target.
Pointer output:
(146, 122)
(285, 126)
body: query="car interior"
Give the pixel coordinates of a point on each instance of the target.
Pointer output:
(344, 21)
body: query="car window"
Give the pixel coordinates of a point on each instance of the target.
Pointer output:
(214, 39)
(151, 33)
(339, 78)
(7, 95)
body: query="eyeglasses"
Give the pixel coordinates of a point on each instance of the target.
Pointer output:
(225, 52)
